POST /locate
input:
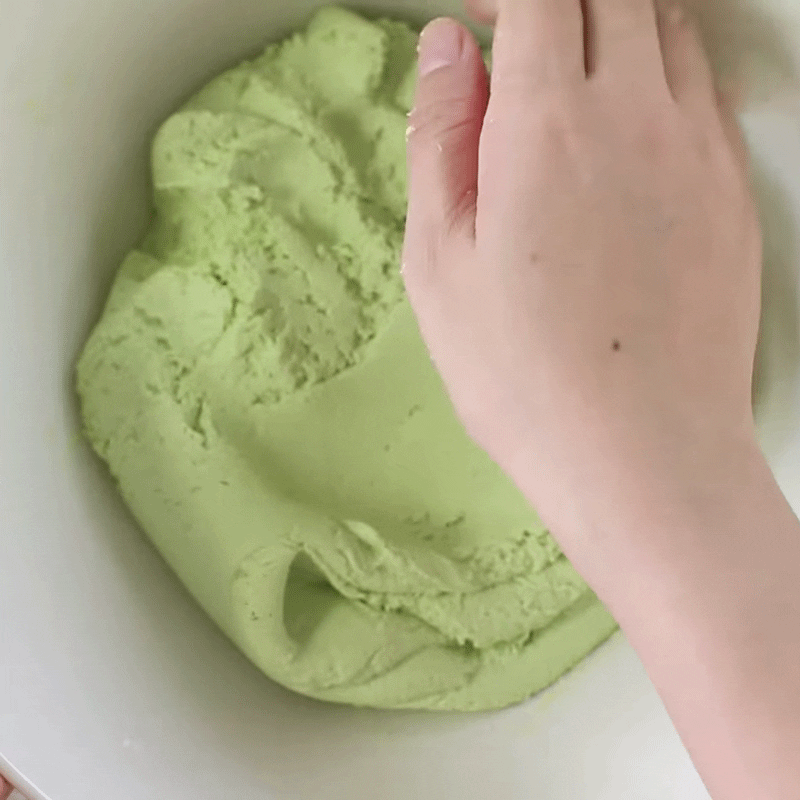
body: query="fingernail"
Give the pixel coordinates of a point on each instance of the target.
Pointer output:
(440, 45)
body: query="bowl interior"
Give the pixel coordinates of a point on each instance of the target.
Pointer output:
(115, 684)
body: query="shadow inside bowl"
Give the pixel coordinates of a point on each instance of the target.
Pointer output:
(777, 368)
(303, 747)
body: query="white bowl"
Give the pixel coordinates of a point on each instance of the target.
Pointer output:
(113, 683)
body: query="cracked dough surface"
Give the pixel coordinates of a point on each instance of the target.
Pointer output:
(260, 392)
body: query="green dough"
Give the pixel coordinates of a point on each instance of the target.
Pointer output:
(260, 392)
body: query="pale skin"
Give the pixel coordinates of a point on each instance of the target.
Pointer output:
(584, 259)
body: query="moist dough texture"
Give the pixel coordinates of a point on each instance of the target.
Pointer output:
(259, 390)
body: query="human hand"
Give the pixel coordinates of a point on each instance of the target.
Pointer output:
(584, 256)
(5, 789)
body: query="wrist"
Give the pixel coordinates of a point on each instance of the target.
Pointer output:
(708, 594)
(649, 505)
(722, 534)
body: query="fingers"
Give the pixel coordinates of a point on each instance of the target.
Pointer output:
(444, 136)
(691, 79)
(537, 44)
(623, 41)
(686, 64)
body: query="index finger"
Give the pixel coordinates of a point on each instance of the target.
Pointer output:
(625, 41)
(538, 44)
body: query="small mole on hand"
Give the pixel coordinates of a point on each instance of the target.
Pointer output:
(616, 345)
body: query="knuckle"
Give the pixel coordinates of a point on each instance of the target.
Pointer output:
(433, 120)
(459, 218)
(422, 255)
(554, 129)
(554, 113)
(553, 133)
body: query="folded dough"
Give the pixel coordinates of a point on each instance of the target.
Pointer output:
(260, 392)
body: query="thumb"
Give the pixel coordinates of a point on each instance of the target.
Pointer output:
(443, 142)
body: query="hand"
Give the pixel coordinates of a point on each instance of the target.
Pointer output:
(584, 260)
(584, 256)
(5, 789)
